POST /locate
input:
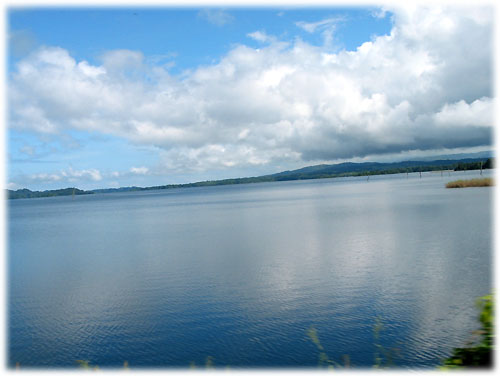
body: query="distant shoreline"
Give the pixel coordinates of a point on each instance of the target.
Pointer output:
(306, 173)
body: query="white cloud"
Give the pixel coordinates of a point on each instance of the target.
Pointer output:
(379, 13)
(46, 178)
(261, 36)
(139, 170)
(427, 85)
(116, 61)
(311, 27)
(220, 156)
(13, 186)
(478, 113)
(326, 26)
(63, 177)
(74, 175)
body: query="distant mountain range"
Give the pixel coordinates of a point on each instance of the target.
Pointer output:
(312, 172)
(481, 154)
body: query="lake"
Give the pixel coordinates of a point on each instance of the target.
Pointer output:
(238, 275)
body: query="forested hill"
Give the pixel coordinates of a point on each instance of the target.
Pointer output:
(26, 193)
(334, 170)
(375, 168)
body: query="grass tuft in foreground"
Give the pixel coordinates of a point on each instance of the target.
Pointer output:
(480, 182)
(480, 354)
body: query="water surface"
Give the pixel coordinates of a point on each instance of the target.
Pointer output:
(241, 273)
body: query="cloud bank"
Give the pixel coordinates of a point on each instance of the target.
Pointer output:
(427, 85)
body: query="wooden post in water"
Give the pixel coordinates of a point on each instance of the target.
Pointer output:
(481, 170)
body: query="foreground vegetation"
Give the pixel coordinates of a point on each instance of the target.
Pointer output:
(479, 354)
(480, 182)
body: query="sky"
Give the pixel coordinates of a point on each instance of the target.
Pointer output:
(101, 97)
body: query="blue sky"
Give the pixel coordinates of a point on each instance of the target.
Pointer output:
(187, 36)
(107, 97)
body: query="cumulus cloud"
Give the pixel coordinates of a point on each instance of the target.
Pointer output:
(74, 175)
(427, 85)
(261, 36)
(477, 113)
(45, 178)
(69, 175)
(139, 170)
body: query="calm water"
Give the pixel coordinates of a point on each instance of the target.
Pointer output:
(240, 273)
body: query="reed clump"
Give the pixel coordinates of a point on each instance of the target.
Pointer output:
(480, 182)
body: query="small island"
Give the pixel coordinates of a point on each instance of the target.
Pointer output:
(480, 182)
